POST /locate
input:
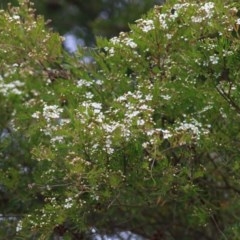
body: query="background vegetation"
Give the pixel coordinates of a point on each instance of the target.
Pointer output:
(88, 19)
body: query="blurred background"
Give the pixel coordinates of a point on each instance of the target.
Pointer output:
(80, 21)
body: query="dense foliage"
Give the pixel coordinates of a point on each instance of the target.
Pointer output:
(144, 139)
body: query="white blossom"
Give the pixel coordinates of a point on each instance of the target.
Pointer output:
(111, 51)
(140, 122)
(64, 121)
(208, 8)
(115, 40)
(148, 97)
(11, 87)
(214, 59)
(179, 6)
(169, 36)
(83, 83)
(129, 42)
(16, 17)
(146, 25)
(132, 114)
(110, 128)
(197, 19)
(57, 139)
(36, 114)
(163, 21)
(19, 226)
(108, 146)
(145, 145)
(97, 107)
(94, 106)
(166, 133)
(193, 126)
(68, 203)
(89, 95)
(51, 112)
(99, 82)
(166, 97)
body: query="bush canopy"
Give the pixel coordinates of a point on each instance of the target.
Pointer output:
(145, 138)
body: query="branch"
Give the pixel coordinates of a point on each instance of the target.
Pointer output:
(228, 99)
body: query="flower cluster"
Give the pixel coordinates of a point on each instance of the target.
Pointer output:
(145, 25)
(206, 12)
(68, 203)
(51, 112)
(194, 127)
(10, 88)
(123, 39)
(129, 42)
(8, 84)
(83, 82)
(214, 59)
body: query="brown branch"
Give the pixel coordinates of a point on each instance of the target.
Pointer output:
(228, 99)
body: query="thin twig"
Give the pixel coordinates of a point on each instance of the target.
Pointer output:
(228, 99)
(218, 228)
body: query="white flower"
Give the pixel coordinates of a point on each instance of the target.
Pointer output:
(132, 114)
(17, 83)
(179, 6)
(148, 97)
(197, 19)
(64, 121)
(214, 59)
(129, 42)
(58, 139)
(146, 25)
(194, 126)
(150, 132)
(121, 98)
(114, 40)
(10, 88)
(208, 8)
(238, 21)
(144, 107)
(36, 114)
(108, 147)
(51, 112)
(208, 11)
(166, 134)
(169, 36)
(19, 226)
(140, 122)
(16, 17)
(145, 145)
(166, 97)
(68, 203)
(83, 83)
(16, 91)
(109, 128)
(97, 107)
(99, 82)
(89, 95)
(162, 20)
(111, 51)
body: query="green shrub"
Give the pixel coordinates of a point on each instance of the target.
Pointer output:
(144, 139)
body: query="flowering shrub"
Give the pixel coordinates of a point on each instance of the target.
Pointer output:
(144, 139)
